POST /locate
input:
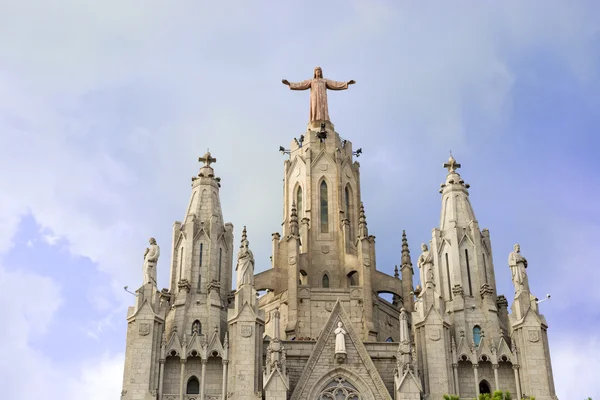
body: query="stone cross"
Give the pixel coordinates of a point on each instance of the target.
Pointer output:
(207, 159)
(451, 165)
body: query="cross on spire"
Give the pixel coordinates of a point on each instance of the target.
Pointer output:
(451, 165)
(207, 159)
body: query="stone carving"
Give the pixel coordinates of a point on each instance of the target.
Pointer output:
(246, 330)
(245, 264)
(518, 264)
(435, 334)
(404, 334)
(318, 93)
(150, 260)
(340, 339)
(144, 328)
(533, 335)
(425, 263)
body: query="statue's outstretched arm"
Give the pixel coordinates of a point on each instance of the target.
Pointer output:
(335, 85)
(298, 85)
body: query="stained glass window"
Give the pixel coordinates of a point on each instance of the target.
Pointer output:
(324, 209)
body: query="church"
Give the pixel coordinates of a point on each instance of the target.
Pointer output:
(323, 329)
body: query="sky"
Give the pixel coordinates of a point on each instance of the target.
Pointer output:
(106, 106)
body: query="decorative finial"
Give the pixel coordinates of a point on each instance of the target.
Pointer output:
(405, 251)
(363, 232)
(396, 274)
(451, 165)
(207, 159)
(294, 221)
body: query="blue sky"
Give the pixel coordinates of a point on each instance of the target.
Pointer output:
(106, 106)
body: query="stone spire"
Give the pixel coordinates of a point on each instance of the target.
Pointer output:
(406, 268)
(363, 232)
(456, 207)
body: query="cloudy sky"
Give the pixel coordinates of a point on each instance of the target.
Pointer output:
(106, 106)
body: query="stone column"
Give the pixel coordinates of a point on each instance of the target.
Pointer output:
(517, 380)
(182, 377)
(203, 361)
(224, 390)
(455, 371)
(496, 366)
(476, 372)
(161, 377)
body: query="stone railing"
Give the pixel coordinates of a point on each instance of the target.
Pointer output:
(185, 397)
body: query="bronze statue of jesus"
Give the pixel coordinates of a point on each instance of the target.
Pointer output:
(318, 93)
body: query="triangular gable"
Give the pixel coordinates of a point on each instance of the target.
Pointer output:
(463, 349)
(484, 349)
(195, 344)
(275, 375)
(504, 351)
(442, 246)
(297, 159)
(174, 345)
(215, 346)
(365, 378)
(409, 384)
(321, 155)
(466, 236)
(145, 310)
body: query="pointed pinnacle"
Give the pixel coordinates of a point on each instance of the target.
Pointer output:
(405, 251)
(396, 275)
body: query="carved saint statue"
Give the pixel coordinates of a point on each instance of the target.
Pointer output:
(518, 264)
(425, 263)
(404, 334)
(340, 339)
(318, 93)
(150, 259)
(245, 266)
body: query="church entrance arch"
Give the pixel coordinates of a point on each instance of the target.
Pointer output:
(340, 384)
(484, 387)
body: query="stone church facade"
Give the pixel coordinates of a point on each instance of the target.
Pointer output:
(323, 330)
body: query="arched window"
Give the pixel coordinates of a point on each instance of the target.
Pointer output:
(353, 278)
(303, 278)
(193, 386)
(324, 208)
(220, 259)
(347, 203)
(299, 201)
(476, 335)
(325, 281)
(181, 264)
(196, 327)
(389, 340)
(200, 268)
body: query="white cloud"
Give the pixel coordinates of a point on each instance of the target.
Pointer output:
(99, 379)
(575, 366)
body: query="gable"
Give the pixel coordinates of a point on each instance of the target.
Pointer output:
(322, 368)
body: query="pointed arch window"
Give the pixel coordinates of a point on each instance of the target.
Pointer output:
(325, 281)
(220, 259)
(324, 208)
(197, 327)
(200, 268)
(476, 335)
(193, 386)
(181, 264)
(299, 201)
